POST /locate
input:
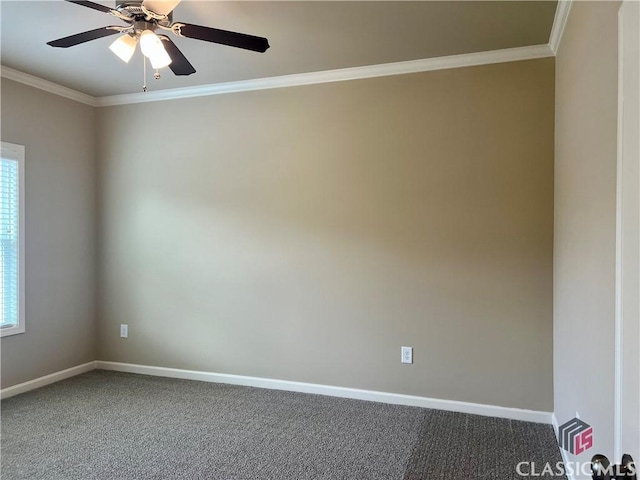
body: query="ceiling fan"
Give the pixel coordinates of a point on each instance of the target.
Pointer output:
(144, 19)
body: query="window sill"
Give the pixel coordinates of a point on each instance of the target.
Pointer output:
(8, 331)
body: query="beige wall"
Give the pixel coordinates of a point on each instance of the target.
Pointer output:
(308, 233)
(59, 137)
(585, 216)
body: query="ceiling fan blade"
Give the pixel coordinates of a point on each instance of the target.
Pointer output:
(232, 39)
(179, 64)
(161, 7)
(83, 37)
(95, 6)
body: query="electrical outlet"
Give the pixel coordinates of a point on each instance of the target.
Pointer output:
(124, 331)
(407, 355)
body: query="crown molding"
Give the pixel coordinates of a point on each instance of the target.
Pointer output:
(47, 86)
(340, 75)
(344, 74)
(559, 22)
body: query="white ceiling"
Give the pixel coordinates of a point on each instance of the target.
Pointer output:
(305, 36)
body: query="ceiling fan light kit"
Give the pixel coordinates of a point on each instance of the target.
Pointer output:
(124, 47)
(144, 18)
(151, 47)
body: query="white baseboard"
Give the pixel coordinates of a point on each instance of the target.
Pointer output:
(384, 397)
(46, 380)
(343, 392)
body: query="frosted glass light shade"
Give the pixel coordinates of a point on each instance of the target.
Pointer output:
(149, 43)
(152, 48)
(124, 47)
(160, 59)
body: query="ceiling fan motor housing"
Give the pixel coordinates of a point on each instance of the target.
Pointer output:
(142, 25)
(133, 8)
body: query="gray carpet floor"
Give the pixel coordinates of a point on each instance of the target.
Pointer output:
(109, 425)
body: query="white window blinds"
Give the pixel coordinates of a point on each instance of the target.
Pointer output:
(11, 241)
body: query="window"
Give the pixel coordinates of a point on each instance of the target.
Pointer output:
(12, 239)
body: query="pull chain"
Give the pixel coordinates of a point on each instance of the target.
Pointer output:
(144, 73)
